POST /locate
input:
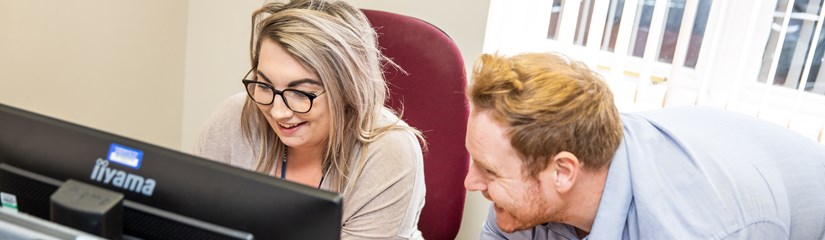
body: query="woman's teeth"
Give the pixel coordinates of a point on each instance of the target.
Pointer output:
(283, 125)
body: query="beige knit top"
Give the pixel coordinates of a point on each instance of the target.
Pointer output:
(387, 197)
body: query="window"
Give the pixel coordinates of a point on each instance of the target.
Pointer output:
(644, 18)
(644, 15)
(611, 26)
(673, 22)
(796, 61)
(761, 58)
(698, 33)
(555, 16)
(583, 23)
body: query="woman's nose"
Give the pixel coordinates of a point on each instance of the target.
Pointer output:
(279, 109)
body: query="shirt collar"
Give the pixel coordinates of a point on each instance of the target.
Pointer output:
(617, 197)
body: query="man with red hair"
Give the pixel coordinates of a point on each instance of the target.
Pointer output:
(558, 161)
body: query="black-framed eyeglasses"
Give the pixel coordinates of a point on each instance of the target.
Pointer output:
(263, 93)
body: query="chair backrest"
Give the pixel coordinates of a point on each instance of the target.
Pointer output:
(432, 97)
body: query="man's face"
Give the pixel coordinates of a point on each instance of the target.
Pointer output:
(521, 202)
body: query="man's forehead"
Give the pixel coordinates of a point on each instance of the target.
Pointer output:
(485, 125)
(488, 141)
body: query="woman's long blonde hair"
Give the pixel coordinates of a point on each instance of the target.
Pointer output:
(336, 41)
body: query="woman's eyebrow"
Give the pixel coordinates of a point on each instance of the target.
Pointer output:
(263, 76)
(304, 81)
(293, 83)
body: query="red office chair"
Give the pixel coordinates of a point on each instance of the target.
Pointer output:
(432, 94)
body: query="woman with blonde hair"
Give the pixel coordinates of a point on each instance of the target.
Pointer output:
(313, 113)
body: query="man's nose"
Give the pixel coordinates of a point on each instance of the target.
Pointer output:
(474, 181)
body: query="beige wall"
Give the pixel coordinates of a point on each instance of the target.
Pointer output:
(217, 57)
(464, 20)
(111, 65)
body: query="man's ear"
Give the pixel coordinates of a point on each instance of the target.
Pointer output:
(563, 169)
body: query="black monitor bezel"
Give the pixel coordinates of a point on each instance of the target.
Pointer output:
(187, 185)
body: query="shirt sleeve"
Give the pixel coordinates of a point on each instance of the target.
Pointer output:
(388, 196)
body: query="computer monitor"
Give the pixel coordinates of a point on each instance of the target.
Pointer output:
(14, 225)
(168, 194)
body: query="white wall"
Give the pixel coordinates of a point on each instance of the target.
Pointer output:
(111, 65)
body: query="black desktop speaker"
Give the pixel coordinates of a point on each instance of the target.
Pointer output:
(88, 208)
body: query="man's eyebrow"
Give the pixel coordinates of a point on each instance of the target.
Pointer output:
(293, 83)
(482, 164)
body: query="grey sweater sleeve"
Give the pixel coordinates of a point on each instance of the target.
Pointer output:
(387, 199)
(221, 139)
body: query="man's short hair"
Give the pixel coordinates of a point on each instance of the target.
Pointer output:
(549, 103)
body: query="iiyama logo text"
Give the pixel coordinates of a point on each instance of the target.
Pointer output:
(135, 183)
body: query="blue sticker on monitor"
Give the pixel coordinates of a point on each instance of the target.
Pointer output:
(124, 155)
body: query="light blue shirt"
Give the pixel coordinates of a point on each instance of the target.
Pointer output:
(703, 173)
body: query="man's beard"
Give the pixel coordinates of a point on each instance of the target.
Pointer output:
(539, 210)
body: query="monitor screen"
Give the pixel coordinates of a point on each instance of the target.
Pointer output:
(168, 194)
